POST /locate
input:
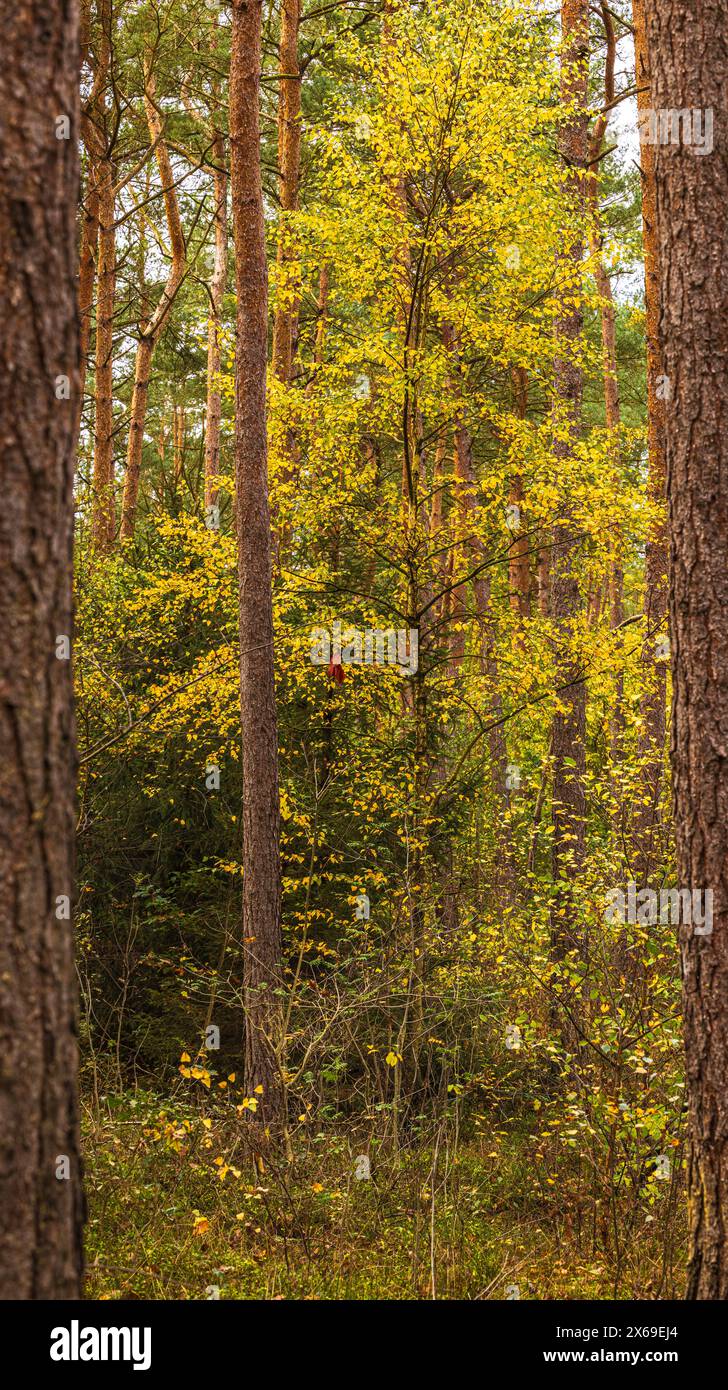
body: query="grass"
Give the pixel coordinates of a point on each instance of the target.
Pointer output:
(178, 1210)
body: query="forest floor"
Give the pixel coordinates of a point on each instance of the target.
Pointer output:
(172, 1216)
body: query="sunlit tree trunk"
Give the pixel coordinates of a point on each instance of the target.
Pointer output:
(261, 822)
(689, 51)
(41, 1203)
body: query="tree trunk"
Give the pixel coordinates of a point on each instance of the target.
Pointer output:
(87, 274)
(568, 733)
(261, 849)
(103, 520)
(285, 328)
(150, 334)
(689, 51)
(217, 296)
(647, 833)
(608, 318)
(518, 554)
(41, 1204)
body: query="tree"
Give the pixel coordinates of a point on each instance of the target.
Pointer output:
(150, 333)
(568, 736)
(261, 815)
(217, 167)
(689, 54)
(99, 239)
(40, 1172)
(285, 328)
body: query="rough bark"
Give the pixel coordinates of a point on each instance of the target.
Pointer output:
(689, 51)
(41, 1212)
(151, 332)
(261, 823)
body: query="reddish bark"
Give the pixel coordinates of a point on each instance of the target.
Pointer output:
(689, 50)
(261, 818)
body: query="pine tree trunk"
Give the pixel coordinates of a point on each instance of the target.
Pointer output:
(261, 826)
(689, 51)
(41, 1204)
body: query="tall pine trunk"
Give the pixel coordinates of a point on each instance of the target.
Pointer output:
(41, 1201)
(261, 818)
(689, 51)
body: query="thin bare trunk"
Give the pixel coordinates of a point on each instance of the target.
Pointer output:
(104, 510)
(150, 333)
(518, 557)
(217, 296)
(285, 328)
(261, 817)
(609, 354)
(648, 834)
(569, 724)
(87, 273)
